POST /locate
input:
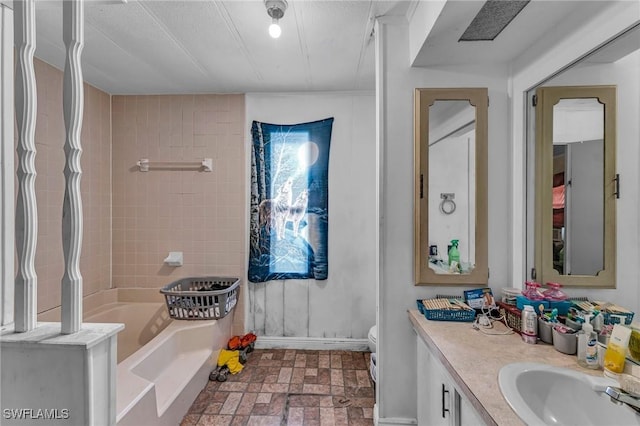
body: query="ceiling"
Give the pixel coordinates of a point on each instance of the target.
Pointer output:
(219, 46)
(540, 22)
(222, 46)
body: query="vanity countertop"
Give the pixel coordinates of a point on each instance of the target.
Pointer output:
(473, 360)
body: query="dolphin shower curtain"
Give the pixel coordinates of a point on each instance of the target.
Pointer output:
(289, 200)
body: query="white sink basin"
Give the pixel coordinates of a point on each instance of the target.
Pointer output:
(541, 394)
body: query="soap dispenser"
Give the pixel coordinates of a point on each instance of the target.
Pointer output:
(588, 352)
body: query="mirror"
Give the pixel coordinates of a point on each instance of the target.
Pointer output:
(452, 134)
(575, 171)
(578, 170)
(608, 74)
(450, 186)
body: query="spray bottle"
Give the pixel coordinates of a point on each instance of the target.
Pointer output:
(454, 255)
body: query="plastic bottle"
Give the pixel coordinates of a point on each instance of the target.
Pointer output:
(582, 347)
(588, 345)
(454, 254)
(529, 322)
(593, 355)
(614, 356)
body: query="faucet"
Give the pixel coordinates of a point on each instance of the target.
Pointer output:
(618, 396)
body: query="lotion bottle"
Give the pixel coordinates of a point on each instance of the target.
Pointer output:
(529, 322)
(614, 357)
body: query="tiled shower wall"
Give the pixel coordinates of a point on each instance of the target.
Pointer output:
(95, 261)
(199, 213)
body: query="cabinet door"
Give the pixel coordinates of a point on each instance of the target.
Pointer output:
(465, 413)
(435, 392)
(442, 397)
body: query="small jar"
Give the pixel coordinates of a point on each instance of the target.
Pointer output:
(509, 295)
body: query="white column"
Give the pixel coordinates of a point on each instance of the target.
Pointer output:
(73, 100)
(7, 181)
(26, 230)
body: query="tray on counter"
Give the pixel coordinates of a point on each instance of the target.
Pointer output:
(455, 312)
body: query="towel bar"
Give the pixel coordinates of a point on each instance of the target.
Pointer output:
(206, 164)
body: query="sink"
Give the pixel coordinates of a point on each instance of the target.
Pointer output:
(541, 394)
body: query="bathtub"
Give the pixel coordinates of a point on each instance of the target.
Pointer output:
(162, 364)
(143, 322)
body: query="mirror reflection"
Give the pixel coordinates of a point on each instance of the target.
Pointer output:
(577, 186)
(575, 203)
(452, 183)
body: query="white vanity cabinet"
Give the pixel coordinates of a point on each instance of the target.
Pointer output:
(439, 402)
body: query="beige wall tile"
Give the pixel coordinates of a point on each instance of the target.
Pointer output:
(133, 219)
(95, 186)
(201, 214)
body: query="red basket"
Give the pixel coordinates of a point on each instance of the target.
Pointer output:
(512, 315)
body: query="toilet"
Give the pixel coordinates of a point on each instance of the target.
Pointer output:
(373, 337)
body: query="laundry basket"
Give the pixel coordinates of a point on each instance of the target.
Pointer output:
(201, 298)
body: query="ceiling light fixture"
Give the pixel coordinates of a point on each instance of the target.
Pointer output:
(275, 9)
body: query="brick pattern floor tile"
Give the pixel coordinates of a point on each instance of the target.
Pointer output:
(290, 388)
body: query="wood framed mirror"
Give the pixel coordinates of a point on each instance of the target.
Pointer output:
(576, 186)
(450, 207)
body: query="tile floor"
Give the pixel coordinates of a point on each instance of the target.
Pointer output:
(290, 387)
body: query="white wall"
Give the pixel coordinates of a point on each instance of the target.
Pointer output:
(422, 18)
(396, 82)
(343, 306)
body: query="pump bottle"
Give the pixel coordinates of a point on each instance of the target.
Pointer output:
(589, 342)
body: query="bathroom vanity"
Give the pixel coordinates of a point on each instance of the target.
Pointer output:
(439, 399)
(457, 371)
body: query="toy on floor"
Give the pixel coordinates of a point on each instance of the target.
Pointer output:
(231, 360)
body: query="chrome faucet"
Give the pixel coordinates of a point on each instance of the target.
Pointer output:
(618, 396)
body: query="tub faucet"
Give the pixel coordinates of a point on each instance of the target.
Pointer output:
(618, 396)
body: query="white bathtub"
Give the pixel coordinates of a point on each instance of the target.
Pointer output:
(143, 322)
(162, 364)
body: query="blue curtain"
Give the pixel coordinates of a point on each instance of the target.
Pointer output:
(289, 200)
